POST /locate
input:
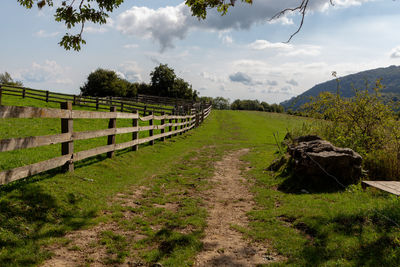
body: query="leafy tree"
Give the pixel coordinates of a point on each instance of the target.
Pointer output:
(165, 83)
(5, 78)
(220, 103)
(104, 82)
(256, 105)
(162, 80)
(77, 13)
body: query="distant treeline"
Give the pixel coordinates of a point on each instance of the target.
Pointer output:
(164, 82)
(224, 103)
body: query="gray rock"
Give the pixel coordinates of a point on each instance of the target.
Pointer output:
(316, 159)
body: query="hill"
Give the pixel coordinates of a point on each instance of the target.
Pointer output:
(390, 79)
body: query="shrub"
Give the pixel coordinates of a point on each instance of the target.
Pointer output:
(363, 123)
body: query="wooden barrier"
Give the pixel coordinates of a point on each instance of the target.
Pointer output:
(67, 136)
(142, 103)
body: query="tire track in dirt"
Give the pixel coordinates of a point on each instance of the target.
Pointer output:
(228, 203)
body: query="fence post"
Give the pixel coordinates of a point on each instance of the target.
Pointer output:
(67, 126)
(1, 93)
(23, 93)
(197, 119)
(111, 138)
(135, 135)
(170, 127)
(97, 103)
(144, 111)
(151, 132)
(47, 96)
(122, 106)
(202, 115)
(74, 101)
(162, 125)
(176, 127)
(182, 120)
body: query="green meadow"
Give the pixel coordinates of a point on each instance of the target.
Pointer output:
(343, 228)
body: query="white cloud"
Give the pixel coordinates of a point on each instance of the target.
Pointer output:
(44, 34)
(222, 88)
(211, 77)
(49, 71)
(264, 44)
(165, 25)
(395, 53)
(225, 38)
(99, 29)
(292, 82)
(284, 20)
(131, 46)
(130, 71)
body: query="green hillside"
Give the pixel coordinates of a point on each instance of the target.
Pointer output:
(390, 79)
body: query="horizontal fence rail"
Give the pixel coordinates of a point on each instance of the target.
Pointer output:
(170, 125)
(141, 103)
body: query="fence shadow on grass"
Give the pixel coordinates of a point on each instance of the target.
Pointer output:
(28, 216)
(363, 239)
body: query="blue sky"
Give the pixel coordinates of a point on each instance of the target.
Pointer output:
(240, 55)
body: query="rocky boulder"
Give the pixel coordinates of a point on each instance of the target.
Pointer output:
(318, 160)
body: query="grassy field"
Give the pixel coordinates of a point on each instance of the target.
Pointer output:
(347, 228)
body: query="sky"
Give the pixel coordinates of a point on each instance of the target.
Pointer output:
(242, 55)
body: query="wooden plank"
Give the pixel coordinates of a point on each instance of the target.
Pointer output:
(83, 114)
(105, 132)
(31, 112)
(146, 118)
(67, 127)
(392, 187)
(93, 152)
(28, 170)
(33, 141)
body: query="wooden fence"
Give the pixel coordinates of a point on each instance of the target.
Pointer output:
(169, 125)
(141, 103)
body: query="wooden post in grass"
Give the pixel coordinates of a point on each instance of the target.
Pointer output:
(176, 127)
(151, 132)
(135, 135)
(111, 138)
(97, 103)
(162, 124)
(197, 119)
(67, 126)
(202, 115)
(144, 111)
(47, 96)
(23, 92)
(170, 127)
(122, 106)
(1, 93)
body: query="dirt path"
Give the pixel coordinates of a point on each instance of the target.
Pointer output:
(228, 202)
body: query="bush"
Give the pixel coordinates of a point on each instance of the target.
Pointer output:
(363, 123)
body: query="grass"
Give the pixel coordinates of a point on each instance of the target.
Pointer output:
(345, 228)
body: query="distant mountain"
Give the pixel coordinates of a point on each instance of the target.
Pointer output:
(390, 80)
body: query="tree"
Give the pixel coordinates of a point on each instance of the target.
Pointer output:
(5, 79)
(220, 103)
(164, 82)
(77, 13)
(102, 82)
